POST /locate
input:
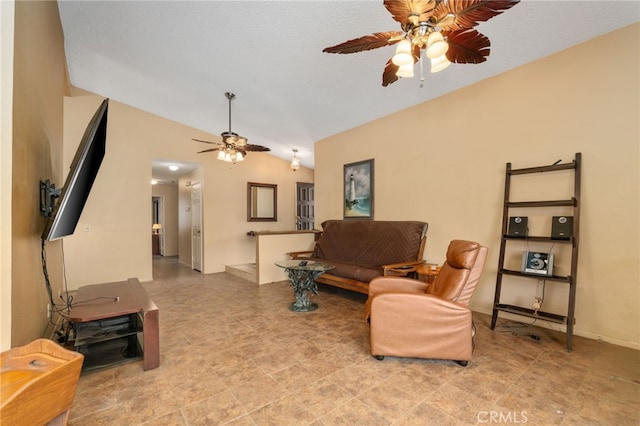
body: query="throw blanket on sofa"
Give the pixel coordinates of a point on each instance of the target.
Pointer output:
(360, 248)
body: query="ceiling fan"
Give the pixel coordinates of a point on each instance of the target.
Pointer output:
(441, 29)
(233, 147)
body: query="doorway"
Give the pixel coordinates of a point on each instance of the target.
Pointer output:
(157, 221)
(196, 226)
(305, 211)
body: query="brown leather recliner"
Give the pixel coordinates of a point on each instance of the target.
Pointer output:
(410, 318)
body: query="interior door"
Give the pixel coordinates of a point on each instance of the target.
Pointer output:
(304, 206)
(196, 227)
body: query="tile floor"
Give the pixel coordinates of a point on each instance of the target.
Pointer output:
(232, 353)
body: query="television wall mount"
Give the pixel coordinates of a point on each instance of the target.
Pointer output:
(48, 195)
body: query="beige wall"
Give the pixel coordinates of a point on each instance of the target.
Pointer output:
(450, 170)
(117, 244)
(272, 248)
(38, 90)
(7, 11)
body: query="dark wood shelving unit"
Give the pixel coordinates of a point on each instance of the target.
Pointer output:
(546, 316)
(114, 323)
(562, 278)
(109, 342)
(571, 279)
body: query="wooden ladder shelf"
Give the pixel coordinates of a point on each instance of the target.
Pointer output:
(573, 204)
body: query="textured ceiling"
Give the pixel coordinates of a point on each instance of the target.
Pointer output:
(177, 59)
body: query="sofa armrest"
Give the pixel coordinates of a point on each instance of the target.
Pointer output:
(396, 285)
(382, 285)
(420, 306)
(401, 269)
(300, 254)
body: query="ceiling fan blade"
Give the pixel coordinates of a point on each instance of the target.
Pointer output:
(389, 74)
(410, 12)
(200, 140)
(470, 12)
(252, 147)
(467, 46)
(209, 150)
(368, 42)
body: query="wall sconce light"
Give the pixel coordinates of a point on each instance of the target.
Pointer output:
(156, 227)
(295, 163)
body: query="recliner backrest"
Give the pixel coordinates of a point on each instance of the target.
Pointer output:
(460, 274)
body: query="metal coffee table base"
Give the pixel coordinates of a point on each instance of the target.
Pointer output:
(302, 308)
(303, 282)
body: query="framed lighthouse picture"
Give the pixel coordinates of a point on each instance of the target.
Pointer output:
(358, 190)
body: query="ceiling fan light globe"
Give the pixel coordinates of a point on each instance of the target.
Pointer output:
(402, 59)
(403, 54)
(405, 71)
(221, 155)
(239, 156)
(439, 63)
(436, 46)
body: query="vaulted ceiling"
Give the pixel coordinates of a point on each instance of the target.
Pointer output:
(176, 59)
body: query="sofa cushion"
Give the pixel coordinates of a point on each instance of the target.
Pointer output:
(369, 243)
(355, 272)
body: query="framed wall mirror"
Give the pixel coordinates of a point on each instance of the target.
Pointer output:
(262, 202)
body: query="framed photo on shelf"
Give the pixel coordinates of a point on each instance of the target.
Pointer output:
(358, 190)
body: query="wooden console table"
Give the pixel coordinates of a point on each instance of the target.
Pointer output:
(110, 301)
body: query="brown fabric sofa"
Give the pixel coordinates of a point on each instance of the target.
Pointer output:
(410, 318)
(361, 250)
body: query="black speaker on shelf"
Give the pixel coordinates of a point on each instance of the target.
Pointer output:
(561, 227)
(518, 226)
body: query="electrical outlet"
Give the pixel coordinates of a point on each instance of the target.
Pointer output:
(49, 310)
(537, 304)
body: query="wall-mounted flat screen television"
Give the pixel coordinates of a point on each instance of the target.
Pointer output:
(64, 215)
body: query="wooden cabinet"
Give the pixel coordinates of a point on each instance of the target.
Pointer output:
(114, 323)
(109, 341)
(155, 244)
(536, 310)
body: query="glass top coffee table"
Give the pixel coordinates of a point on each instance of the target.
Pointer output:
(302, 276)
